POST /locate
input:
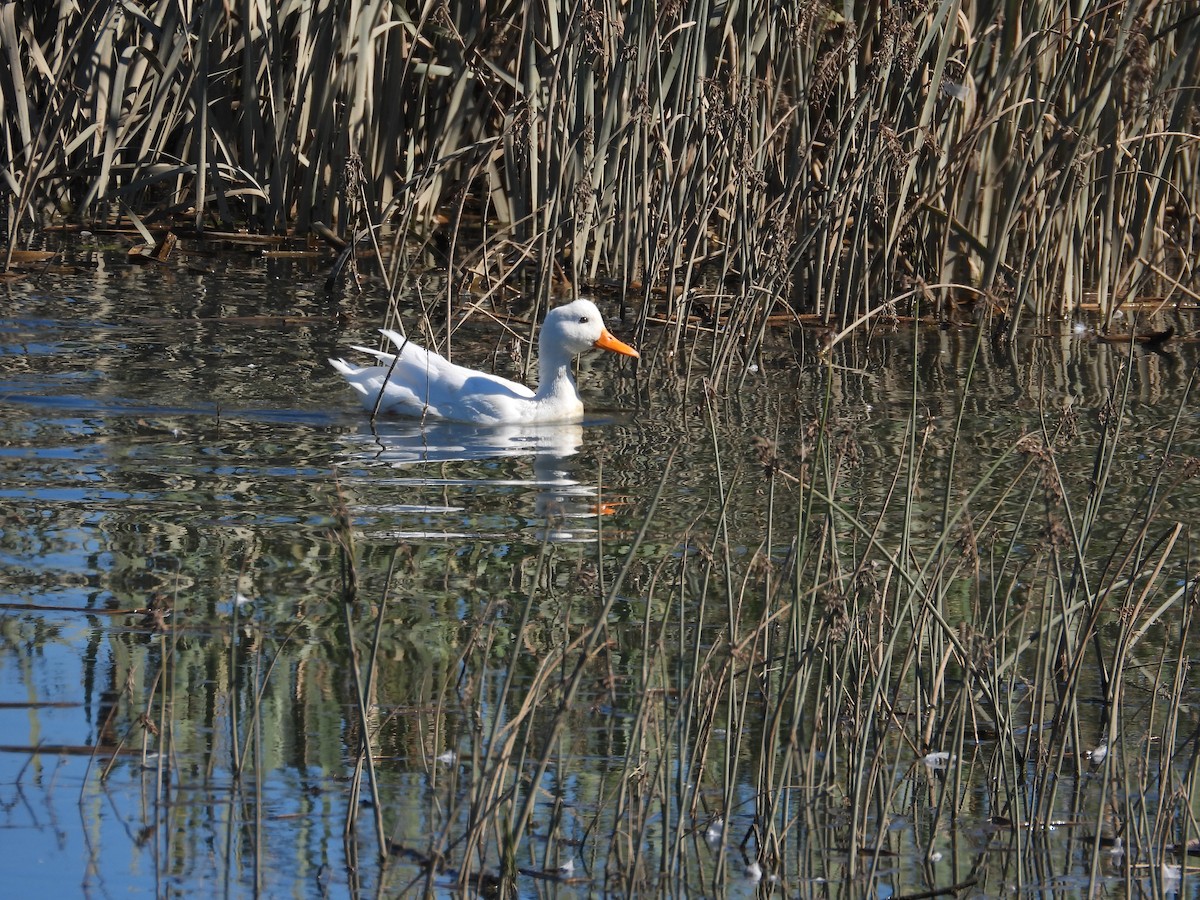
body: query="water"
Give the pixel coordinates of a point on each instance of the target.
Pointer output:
(175, 674)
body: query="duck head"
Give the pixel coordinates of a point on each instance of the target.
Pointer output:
(577, 327)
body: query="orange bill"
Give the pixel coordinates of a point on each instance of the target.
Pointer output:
(607, 342)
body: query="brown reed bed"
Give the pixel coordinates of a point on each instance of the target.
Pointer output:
(731, 162)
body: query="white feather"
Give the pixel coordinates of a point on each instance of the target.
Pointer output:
(422, 384)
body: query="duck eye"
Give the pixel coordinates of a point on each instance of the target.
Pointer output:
(583, 320)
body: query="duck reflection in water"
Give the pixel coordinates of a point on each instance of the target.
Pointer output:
(466, 467)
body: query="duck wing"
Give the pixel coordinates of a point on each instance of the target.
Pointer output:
(421, 383)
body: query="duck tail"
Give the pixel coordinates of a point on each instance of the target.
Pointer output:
(344, 367)
(355, 376)
(398, 339)
(385, 358)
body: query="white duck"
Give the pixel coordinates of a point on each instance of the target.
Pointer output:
(423, 384)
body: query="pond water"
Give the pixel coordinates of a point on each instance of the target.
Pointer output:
(185, 478)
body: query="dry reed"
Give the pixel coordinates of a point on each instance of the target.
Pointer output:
(727, 162)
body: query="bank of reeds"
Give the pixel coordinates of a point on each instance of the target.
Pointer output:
(725, 160)
(935, 693)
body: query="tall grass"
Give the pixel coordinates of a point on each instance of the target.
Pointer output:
(945, 682)
(724, 161)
